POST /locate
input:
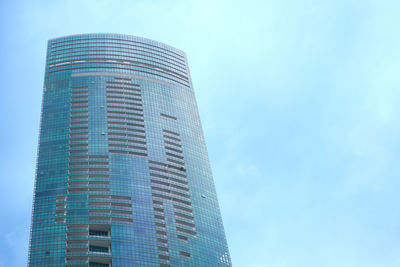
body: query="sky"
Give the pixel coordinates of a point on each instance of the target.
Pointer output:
(300, 107)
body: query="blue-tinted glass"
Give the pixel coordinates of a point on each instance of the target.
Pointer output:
(123, 177)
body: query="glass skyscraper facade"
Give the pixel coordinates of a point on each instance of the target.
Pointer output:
(123, 177)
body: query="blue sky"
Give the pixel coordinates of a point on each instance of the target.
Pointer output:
(299, 102)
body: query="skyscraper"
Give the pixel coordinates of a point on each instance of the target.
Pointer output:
(123, 177)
